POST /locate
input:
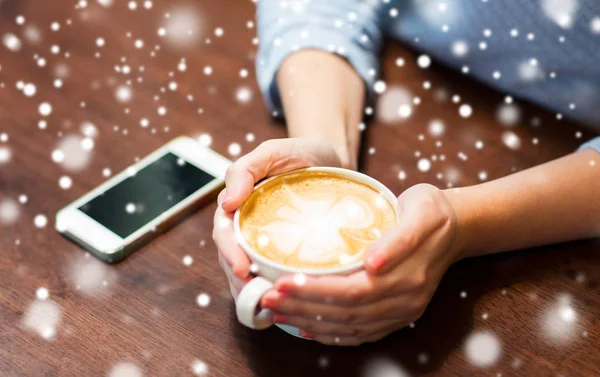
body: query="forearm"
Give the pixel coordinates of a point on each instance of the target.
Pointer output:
(323, 97)
(554, 202)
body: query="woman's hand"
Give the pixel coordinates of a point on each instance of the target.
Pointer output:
(402, 271)
(270, 158)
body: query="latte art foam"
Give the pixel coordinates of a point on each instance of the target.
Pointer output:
(314, 219)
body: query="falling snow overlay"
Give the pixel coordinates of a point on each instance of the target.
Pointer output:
(458, 93)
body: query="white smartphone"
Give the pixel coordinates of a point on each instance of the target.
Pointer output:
(123, 213)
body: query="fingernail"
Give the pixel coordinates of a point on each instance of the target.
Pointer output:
(229, 194)
(239, 272)
(279, 318)
(226, 201)
(283, 287)
(222, 196)
(306, 334)
(375, 259)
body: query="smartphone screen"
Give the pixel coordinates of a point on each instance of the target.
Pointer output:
(146, 194)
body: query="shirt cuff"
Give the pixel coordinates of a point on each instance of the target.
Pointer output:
(592, 144)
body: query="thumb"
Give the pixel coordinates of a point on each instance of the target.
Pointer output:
(239, 183)
(399, 243)
(269, 158)
(245, 172)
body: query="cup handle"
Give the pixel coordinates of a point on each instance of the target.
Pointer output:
(248, 303)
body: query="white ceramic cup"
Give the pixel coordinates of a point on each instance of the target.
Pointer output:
(248, 308)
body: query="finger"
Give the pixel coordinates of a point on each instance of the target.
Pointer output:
(228, 274)
(224, 238)
(338, 340)
(349, 290)
(234, 281)
(221, 197)
(240, 182)
(393, 308)
(414, 226)
(314, 326)
(270, 158)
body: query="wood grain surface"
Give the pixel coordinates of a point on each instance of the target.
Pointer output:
(140, 317)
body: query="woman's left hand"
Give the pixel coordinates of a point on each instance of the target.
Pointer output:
(402, 271)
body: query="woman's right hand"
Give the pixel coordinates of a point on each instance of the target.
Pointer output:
(270, 158)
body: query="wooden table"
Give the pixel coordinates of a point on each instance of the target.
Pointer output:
(541, 306)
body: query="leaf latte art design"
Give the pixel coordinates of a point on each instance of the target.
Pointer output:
(317, 225)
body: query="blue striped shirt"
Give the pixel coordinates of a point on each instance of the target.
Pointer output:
(547, 51)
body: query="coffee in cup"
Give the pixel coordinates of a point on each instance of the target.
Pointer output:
(313, 221)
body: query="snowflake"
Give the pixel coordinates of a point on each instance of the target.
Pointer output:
(436, 127)
(183, 27)
(203, 300)
(12, 42)
(199, 368)
(45, 109)
(508, 114)
(383, 367)
(511, 140)
(465, 110)
(42, 293)
(9, 211)
(459, 48)
(188, 260)
(243, 94)
(379, 87)
(89, 274)
(123, 94)
(483, 349)
(560, 319)
(73, 152)
(43, 316)
(65, 182)
(562, 12)
(125, 369)
(424, 61)
(40, 221)
(424, 165)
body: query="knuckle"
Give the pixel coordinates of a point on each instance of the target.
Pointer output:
(273, 152)
(232, 170)
(354, 341)
(267, 147)
(329, 341)
(351, 331)
(307, 326)
(407, 241)
(418, 280)
(342, 317)
(376, 338)
(417, 309)
(387, 284)
(266, 144)
(357, 293)
(414, 316)
(351, 295)
(346, 317)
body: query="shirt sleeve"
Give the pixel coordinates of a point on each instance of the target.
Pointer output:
(592, 144)
(349, 28)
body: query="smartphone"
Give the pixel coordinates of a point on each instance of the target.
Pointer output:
(147, 198)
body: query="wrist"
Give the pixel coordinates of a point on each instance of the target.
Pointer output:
(348, 159)
(466, 219)
(345, 150)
